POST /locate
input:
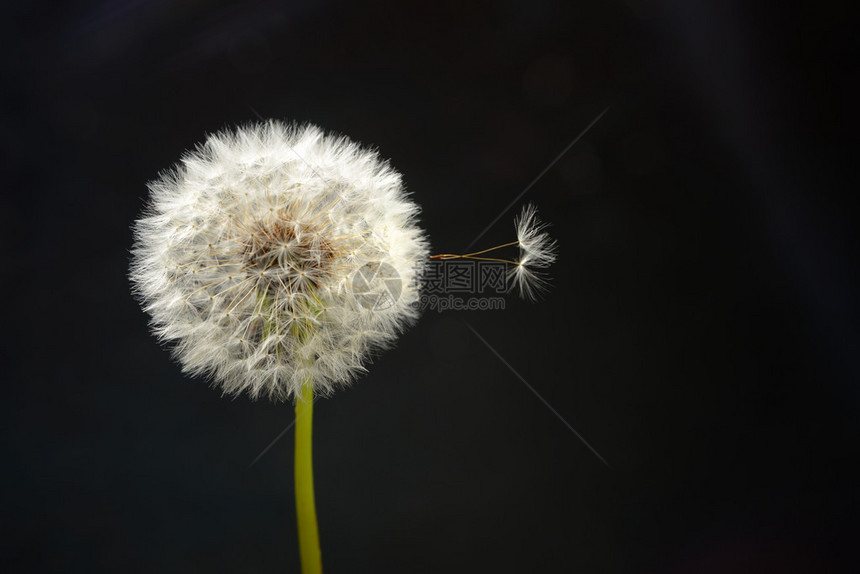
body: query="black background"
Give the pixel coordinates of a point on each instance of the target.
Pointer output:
(701, 332)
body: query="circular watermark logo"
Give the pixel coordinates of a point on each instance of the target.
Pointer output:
(377, 286)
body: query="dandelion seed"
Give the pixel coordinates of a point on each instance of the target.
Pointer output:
(537, 251)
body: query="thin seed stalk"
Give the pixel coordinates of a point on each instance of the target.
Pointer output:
(309, 543)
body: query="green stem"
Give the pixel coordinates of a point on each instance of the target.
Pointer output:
(309, 540)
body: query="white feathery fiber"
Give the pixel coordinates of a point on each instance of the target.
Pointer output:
(537, 252)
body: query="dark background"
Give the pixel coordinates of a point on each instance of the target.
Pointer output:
(701, 332)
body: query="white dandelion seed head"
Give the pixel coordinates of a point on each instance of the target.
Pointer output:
(537, 252)
(274, 256)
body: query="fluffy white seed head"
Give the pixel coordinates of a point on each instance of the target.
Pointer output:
(275, 256)
(537, 252)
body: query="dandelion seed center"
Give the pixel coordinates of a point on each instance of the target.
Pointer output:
(288, 254)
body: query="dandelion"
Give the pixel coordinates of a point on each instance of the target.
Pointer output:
(263, 258)
(277, 259)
